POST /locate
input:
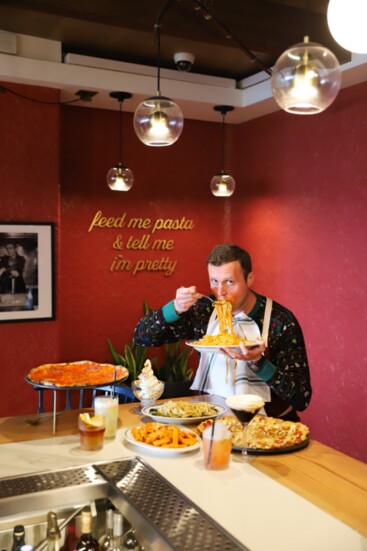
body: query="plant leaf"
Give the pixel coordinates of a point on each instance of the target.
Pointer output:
(118, 359)
(131, 363)
(174, 367)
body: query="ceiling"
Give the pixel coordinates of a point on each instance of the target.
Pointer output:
(123, 30)
(223, 35)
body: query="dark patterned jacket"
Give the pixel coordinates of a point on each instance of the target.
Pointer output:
(285, 367)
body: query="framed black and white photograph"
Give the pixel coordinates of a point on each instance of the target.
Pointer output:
(26, 271)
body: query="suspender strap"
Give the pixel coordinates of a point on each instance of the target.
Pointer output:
(266, 325)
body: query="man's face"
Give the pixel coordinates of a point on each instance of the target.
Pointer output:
(228, 282)
(11, 250)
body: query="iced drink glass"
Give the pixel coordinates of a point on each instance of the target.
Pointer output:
(217, 446)
(108, 406)
(91, 432)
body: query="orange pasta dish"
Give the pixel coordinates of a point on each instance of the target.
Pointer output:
(226, 335)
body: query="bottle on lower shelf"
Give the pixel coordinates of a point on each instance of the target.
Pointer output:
(53, 533)
(86, 541)
(129, 541)
(18, 537)
(105, 541)
(116, 544)
(70, 537)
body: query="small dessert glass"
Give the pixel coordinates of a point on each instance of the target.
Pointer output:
(144, 397)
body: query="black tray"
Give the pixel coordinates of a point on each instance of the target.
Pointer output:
(276, 451)
(53, 387)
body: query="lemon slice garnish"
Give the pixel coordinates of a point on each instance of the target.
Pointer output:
(85, 417)
(95, 421)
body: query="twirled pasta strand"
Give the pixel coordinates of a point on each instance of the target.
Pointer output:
(226, 335)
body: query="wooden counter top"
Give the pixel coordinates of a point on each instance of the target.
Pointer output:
(329, 479)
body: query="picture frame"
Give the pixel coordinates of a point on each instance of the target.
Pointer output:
(27, 290)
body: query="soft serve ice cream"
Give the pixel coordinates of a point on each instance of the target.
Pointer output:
(148, 386)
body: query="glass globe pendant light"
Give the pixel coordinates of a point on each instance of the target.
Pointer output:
(347, 23)
(119, 177)
(158, 121)
(306, 78)
(222, 184)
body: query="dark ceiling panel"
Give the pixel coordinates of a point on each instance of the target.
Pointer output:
(124, 29)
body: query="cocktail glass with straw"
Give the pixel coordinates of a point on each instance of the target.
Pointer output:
(217, 446)
(245, 407)
(108, 407)
(211, 442)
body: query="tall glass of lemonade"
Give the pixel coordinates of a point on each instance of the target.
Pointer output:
(108, 406)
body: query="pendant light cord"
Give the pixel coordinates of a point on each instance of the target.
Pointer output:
(157, 32)
(228, 34)
(120, 97)
(223, 115)
(83, 97)
(157, 28)
(120, 131)
(307, 18)
(223, 110)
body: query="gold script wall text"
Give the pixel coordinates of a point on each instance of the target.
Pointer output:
(148, 240)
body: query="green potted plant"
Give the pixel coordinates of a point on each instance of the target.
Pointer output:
(134, 355)
(133, 359)
(173, 369)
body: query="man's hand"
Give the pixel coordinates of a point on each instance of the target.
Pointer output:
(252, 354)
(185, 297)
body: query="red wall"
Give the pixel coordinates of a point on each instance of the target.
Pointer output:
(304, 218)
(170, 183)
(297, 208)
(29, 182)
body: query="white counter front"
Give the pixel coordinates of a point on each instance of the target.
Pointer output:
(260, 512)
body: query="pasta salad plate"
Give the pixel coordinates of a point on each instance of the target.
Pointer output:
(183, 412)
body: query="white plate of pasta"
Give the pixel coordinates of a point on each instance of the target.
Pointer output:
(184, 412)
(215, 349)
(159, 438)
(226, 337)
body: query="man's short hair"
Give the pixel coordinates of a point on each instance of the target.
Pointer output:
(223, 254)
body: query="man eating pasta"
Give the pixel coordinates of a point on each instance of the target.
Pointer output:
(260, 346)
